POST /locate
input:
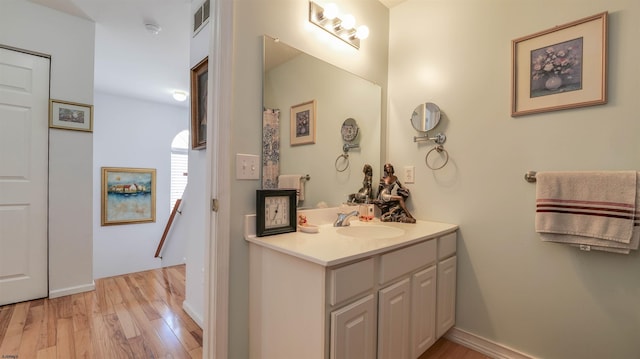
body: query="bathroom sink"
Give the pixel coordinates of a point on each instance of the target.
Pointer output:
(373, 231)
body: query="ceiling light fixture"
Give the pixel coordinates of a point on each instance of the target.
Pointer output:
(153, 28)
(179, 95)
(342, 27)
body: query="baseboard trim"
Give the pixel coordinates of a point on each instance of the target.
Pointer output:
(72, 290)
(484, 346)
(193, 314)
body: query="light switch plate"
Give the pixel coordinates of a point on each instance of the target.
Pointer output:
(247, 166)
(409, 174)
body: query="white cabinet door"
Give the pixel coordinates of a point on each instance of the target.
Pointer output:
(446, 312)
(393, 323)
(353, 330)
(423, 311)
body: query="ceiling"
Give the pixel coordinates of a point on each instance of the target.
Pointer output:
(129, 60)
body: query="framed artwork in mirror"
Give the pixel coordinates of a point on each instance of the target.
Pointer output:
(199, 76)
(303, 123)
(560, 68)
(128, 195)
(70, 116)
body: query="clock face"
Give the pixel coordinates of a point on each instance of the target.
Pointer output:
(276, 212)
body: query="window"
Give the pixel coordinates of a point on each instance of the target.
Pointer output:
(179, 165)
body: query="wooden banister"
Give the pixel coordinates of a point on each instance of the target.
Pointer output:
(168, 227)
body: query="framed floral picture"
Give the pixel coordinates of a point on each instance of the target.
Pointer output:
(70, 116)
(199, 78)
(128, 195)
(560, 68)
(303, 123)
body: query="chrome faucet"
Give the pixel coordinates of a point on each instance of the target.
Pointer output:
(343, 219)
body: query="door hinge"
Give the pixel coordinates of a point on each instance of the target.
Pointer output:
(214, 204)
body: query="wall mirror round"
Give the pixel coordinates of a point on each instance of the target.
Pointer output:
(349, 130)
(425, 117)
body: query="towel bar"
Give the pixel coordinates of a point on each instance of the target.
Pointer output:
(530, 176)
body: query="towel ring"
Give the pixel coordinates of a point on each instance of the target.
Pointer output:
(439, 149)
(346, 160)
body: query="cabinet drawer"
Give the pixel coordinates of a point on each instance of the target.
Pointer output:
(447, 245)
(403, 261)
(349, 281)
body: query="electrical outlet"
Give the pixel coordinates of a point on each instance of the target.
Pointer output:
(409, 174)
(247, 166)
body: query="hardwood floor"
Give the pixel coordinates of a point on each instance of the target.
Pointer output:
(446, 349)
(137, 315)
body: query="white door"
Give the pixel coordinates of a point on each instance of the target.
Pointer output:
(24, 103)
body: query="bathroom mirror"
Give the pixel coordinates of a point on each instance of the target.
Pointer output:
(425, 117)
(292, 77)
(349, 130)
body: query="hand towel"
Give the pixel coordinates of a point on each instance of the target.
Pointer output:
(598, 205)
(595, 244)
(293, 182)
(589, 236)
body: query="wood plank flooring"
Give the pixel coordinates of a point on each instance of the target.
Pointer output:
(446, 349)
(137, 315)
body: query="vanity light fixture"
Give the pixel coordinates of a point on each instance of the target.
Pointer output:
(342, 27)
(179, 95)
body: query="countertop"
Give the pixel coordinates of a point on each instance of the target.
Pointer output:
(331, 246)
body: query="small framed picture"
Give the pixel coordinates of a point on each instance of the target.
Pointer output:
(560, 68)
(303, 123)
(128, 195)
(70, 116)
(275, 211)
(199, 78)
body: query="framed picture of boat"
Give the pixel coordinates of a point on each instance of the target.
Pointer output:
(128, 195)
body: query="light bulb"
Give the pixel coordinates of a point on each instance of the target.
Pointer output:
(362, 32)
(348, 22)
(330, 11)
(179, 95)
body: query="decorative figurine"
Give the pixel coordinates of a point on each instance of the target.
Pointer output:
(365, 194)
(391, 198)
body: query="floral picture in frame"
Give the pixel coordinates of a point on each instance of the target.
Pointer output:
(303, 123)
(128, 195)
(70, 116)
(199, 79)
(560, 68)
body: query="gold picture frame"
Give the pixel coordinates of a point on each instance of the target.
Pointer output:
(560, 68)
(199, 79)
(128, 195)
(70, 115)
(303, 123)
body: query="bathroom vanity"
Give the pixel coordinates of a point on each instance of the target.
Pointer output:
(369, 290)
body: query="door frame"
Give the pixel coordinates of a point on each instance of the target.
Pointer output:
(217, 246)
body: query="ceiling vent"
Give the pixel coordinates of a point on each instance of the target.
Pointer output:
(201, 17)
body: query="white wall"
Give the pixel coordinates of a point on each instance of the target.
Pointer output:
(134, 133)
(543, 299)
(70, 152)
(196, 205)
(287, 20)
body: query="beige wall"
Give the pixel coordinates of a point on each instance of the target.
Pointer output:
(543, 299)
(287, 20)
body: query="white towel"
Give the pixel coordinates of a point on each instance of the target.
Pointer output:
(292, 182)
(590, 210)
